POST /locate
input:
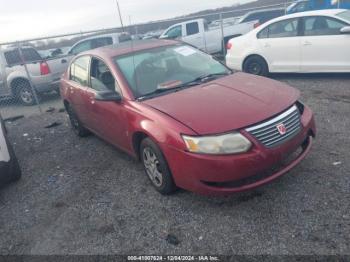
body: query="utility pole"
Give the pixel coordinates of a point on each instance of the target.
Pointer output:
(120, 16)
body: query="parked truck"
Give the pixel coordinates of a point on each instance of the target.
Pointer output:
(309, 5)
(43, 74)
(197, 33)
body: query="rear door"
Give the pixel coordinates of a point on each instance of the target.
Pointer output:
(324, 48)
(279, 44)
(78, 84)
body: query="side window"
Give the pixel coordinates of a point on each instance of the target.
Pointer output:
(82, 47)
(12, 57)
(101, 77)
(29, 54)
(263, 33)
(103, 41)
(320, 25)
(286, 28)
(174, 32)
(79, 70)
(192, 28)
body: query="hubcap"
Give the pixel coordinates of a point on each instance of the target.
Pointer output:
(26, 96)
(255, 68)
(152, 166)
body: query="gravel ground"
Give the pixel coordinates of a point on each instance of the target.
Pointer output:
(82, 196)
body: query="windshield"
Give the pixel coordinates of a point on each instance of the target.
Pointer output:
(167, 68)
(345, 15)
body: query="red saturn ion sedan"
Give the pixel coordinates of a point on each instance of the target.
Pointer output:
(192, 122)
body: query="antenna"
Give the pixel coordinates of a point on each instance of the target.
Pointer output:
(120, 15)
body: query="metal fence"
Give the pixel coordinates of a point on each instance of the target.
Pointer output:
(30, 70)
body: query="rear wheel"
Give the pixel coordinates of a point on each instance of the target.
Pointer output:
(25, 94)
(256, 65)
(156, 167)
(77, 126)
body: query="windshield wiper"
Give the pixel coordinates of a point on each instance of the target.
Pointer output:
(201, 79)
(197, 81)
(208, 77)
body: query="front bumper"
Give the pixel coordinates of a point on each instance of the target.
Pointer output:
(215, 175)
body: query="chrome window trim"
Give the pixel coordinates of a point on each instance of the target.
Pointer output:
(274, 120)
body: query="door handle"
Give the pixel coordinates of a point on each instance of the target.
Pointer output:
(306, 43)
(267, 45)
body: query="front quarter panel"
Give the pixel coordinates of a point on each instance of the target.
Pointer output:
(161, 128)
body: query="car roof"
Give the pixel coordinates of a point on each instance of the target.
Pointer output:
(99, 36)
(129, 47)
(329, 12)
(263, 11)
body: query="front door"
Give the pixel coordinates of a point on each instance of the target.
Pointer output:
(194, 36)
(109, 118)
(323, 47)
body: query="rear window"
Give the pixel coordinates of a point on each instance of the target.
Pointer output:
(345, 15)
(29, 55)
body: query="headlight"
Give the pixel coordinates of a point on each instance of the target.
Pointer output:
(218, 145)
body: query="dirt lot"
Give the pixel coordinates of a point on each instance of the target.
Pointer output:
(82, 196)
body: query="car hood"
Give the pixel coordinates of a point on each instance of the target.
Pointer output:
(226, 104)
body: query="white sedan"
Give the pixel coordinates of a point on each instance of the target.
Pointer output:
(308, 42)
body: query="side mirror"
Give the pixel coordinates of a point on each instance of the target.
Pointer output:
(345, 30)
(108, 96)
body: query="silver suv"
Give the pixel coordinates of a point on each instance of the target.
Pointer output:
(14, 81)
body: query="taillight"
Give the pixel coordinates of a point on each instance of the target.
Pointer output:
(257, 24)
(44, 68)
(228, 46)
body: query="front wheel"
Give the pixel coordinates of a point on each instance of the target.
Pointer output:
(156, 167)
(256, 65)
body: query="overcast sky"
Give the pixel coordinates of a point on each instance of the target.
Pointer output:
(20, 19)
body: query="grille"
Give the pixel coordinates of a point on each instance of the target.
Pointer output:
(268, 134)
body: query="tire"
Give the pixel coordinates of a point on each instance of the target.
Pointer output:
(25, 94)
(256, 65)
(76, 124)
(156, 167)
